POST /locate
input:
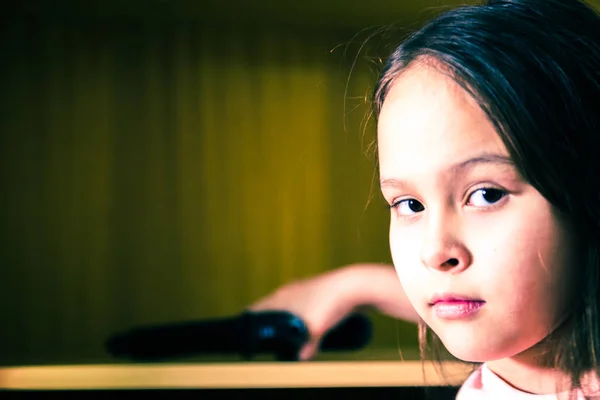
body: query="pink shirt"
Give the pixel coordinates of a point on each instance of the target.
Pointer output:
(483, 384)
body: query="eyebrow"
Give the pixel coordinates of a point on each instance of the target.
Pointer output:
(485, 158)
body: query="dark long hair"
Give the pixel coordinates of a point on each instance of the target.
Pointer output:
(533, 66)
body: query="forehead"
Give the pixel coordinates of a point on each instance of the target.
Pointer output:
(429, 122)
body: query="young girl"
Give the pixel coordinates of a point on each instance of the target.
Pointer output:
(488, 141)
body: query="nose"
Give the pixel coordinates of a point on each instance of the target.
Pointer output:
(443, 248)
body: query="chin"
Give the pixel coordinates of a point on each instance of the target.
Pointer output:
(473, 350)
(477, 348)
(471, 354)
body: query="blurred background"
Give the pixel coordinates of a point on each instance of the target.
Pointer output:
(164, 160)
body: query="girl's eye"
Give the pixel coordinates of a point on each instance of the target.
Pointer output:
(409, 207)
(486, 197)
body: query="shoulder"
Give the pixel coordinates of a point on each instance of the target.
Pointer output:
(484, 384)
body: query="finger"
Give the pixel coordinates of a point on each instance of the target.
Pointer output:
(310, 349)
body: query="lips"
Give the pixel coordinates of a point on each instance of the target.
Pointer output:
(451, 298)
(455, 307)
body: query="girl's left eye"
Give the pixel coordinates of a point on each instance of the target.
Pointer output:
(486, 197)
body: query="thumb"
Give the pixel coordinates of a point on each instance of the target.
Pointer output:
(310, 349)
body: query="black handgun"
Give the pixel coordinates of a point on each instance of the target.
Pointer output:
(279, 333)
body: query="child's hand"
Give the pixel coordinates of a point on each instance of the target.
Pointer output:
(321, 302)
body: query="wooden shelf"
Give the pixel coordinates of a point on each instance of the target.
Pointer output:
(233, 375)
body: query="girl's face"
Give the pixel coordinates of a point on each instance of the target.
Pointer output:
(478, 250)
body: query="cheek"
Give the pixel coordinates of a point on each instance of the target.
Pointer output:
(523, 275)
(405, 245)
(533, 254)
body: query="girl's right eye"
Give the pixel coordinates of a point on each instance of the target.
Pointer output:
(408, 206)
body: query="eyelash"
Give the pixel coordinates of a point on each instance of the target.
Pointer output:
(503, 193)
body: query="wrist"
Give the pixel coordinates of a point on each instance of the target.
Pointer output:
(368, 284)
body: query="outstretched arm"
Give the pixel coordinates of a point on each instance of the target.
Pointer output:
(324, 300)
